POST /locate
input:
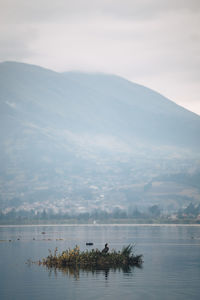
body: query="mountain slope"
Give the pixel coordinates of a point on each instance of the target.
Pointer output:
(97, 103)
(61, 134)
(142, 112)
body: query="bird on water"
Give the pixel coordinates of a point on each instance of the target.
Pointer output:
(106, 249)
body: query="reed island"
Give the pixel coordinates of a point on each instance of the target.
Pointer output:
(93, 258)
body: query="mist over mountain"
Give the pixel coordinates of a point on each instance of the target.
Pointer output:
(78, 142)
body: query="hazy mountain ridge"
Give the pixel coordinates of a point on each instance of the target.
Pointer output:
(148, 103)
(70, 138)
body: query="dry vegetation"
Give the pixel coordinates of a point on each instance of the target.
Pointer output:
(92, 259)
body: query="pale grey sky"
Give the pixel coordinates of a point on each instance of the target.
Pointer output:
(152, 42)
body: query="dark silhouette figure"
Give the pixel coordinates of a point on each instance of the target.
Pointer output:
(106, 249)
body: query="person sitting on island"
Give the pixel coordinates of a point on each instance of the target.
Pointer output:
(106, 249)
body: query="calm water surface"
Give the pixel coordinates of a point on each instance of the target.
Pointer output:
(171, 268)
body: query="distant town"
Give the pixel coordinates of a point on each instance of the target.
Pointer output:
(188, 215)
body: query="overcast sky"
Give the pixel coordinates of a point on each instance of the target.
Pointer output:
(152, 42)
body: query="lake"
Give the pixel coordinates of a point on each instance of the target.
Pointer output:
(171, 268)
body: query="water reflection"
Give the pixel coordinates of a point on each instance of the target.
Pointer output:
(77, 272)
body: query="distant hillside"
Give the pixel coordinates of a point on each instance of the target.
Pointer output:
(95, 103)
(140, 113)
(72, 137)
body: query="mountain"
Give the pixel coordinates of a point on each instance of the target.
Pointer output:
(80, 141)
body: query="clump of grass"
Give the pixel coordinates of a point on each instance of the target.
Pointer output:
(92, 259)
(126, 251)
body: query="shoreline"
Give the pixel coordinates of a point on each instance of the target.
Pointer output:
(101, 225)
